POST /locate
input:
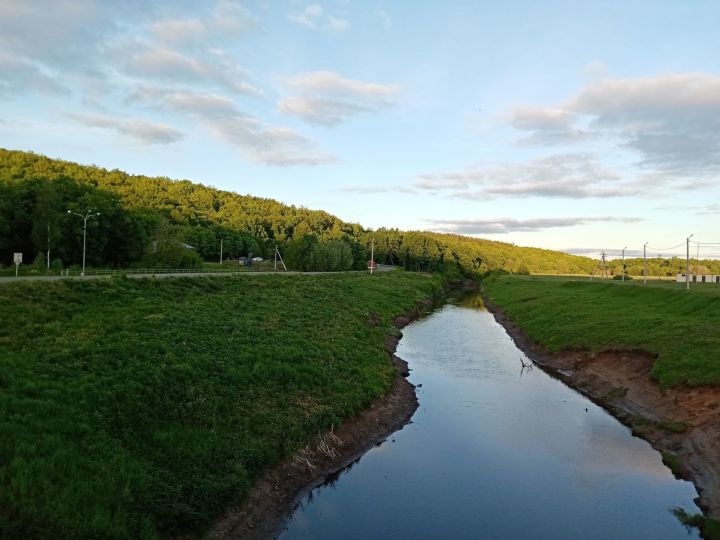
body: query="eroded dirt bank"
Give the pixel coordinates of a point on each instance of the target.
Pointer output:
(682, 423)
(276, 494)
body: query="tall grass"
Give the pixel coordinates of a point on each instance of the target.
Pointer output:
(140, 408)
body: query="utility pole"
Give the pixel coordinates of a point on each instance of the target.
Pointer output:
(687, 263)
(623, 263)
(372, 255)
(221, 249)
(275, 255)
(645, 263)
(87, 215)
(603, 267)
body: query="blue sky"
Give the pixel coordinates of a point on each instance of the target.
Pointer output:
(568, 125)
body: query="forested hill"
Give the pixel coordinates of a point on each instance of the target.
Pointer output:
(139, 211)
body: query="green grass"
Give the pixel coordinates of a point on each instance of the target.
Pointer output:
(141, 408)
(680, 326)
(710, 528)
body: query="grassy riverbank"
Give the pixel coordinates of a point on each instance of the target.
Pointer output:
(141, 408)
(663, 318)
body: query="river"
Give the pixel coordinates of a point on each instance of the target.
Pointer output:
(495, 451)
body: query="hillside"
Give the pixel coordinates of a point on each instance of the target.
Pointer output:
(36, 191)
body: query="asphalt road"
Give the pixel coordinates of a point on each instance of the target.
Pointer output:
(13, 279)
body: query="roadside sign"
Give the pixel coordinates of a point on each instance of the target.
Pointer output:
(372, 264)
(17, 258)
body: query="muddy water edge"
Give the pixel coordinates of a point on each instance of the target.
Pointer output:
(278, 492)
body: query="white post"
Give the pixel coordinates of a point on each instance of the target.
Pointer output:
(687, 263)
(221, 250)
(372, 255)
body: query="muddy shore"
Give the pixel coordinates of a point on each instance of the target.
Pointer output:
(683, 423)
(279, 491)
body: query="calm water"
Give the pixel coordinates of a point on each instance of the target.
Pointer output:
(495, 453)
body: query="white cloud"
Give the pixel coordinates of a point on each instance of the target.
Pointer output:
(160, 63)
(336, 24)
(268, 145)
(321, 111)
(574, 176)
(20, 76)
(672, 121)
(508, 225)
(226, 21)
(332, 82)
(547, 125)
(141, 130)
(179, 31)
(327, 98)
(183, 101)
(371, 190)
(258, 141)
(314, 18)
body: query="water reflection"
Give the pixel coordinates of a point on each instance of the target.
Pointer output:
(494, 452)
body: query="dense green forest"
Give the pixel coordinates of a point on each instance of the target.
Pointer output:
(144, 222)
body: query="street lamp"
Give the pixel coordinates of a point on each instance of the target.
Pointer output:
(87, 215)
(623, 263)
(687, 262)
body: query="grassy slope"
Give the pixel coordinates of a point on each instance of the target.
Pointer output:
(138, 408)
(662, 318)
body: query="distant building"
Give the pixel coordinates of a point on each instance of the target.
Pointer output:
(699, 278)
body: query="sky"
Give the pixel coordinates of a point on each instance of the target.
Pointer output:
(579, 126)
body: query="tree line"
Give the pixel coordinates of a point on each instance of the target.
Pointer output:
(151, 221)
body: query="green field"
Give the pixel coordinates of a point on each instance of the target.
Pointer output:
(141, 408)
(680, 326)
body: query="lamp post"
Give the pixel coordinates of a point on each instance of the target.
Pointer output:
(87, 215)
(623, 263)
(687, 263)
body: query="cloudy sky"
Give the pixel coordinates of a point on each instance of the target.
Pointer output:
(560, 124)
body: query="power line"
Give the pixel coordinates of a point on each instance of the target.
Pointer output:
(665, 249)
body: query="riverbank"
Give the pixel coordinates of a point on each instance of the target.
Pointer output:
(143, 408)
(682, 422)
(279, 491)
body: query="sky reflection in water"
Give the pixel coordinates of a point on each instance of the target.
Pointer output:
(496, 453)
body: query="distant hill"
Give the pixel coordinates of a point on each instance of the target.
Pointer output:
(36, 191)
